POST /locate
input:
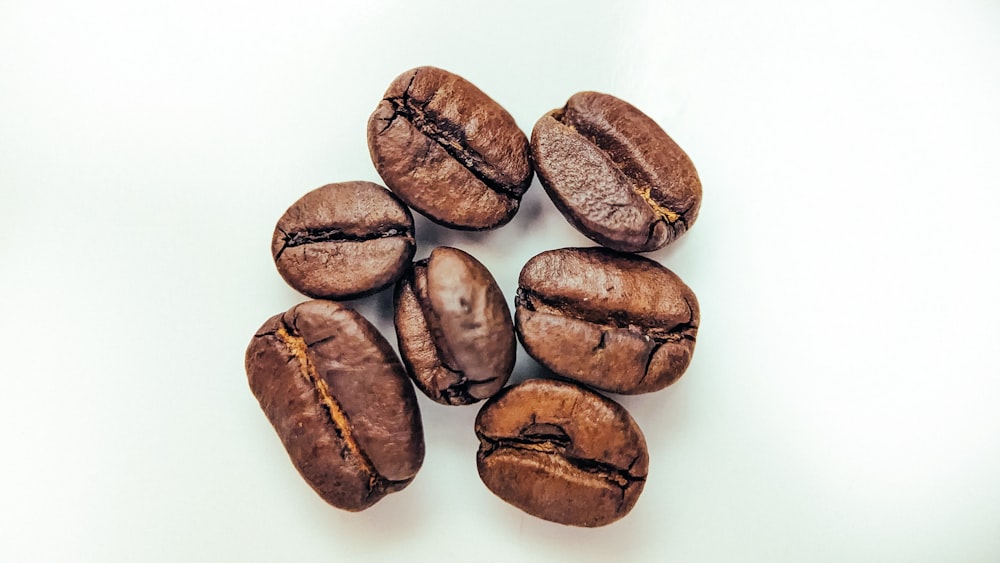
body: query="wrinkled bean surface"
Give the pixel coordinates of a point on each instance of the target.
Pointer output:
(615, 174)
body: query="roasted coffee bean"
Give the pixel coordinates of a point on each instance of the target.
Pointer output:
(560, 452)
(616, 322)
(344, 240)
(615, 174)
(454, 328)
(449, 151)
(340, 402)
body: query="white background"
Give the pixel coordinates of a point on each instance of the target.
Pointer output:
(842, 400)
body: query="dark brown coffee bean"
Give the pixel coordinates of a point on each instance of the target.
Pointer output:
(449, 151)
(560, 452)
(344, 240)
(615, 174)
(616, 322)
(340, 401)
(454, 328)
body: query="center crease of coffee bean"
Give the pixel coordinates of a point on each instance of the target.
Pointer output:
(557, 447)
(333, 234)
(610, 319)
(299, 349)
(450, 136)
(645, 193)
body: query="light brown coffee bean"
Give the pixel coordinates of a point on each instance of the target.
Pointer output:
(561, 452)
(616, 322)
(344, 240)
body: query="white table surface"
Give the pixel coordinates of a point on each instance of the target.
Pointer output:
(842, 401)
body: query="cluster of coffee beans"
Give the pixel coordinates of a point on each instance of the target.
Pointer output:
(342, 402)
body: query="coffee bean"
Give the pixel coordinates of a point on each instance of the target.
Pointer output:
(455, 333)
(616, 322)
(561, 452)
(344, 240)
(340, 402)
(448, 150)
(615, 174)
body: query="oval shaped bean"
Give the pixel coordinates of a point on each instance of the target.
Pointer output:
(344, 240)
(616, 322)
(340, 402)
(449, 151)
(615, 174)
(561, 452)
(454, 329)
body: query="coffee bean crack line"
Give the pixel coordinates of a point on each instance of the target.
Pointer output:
(556, 446)
(613, 320)
(337, 417)
(333, 234)
(656, 348)
(460, 389)
(450, 137)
